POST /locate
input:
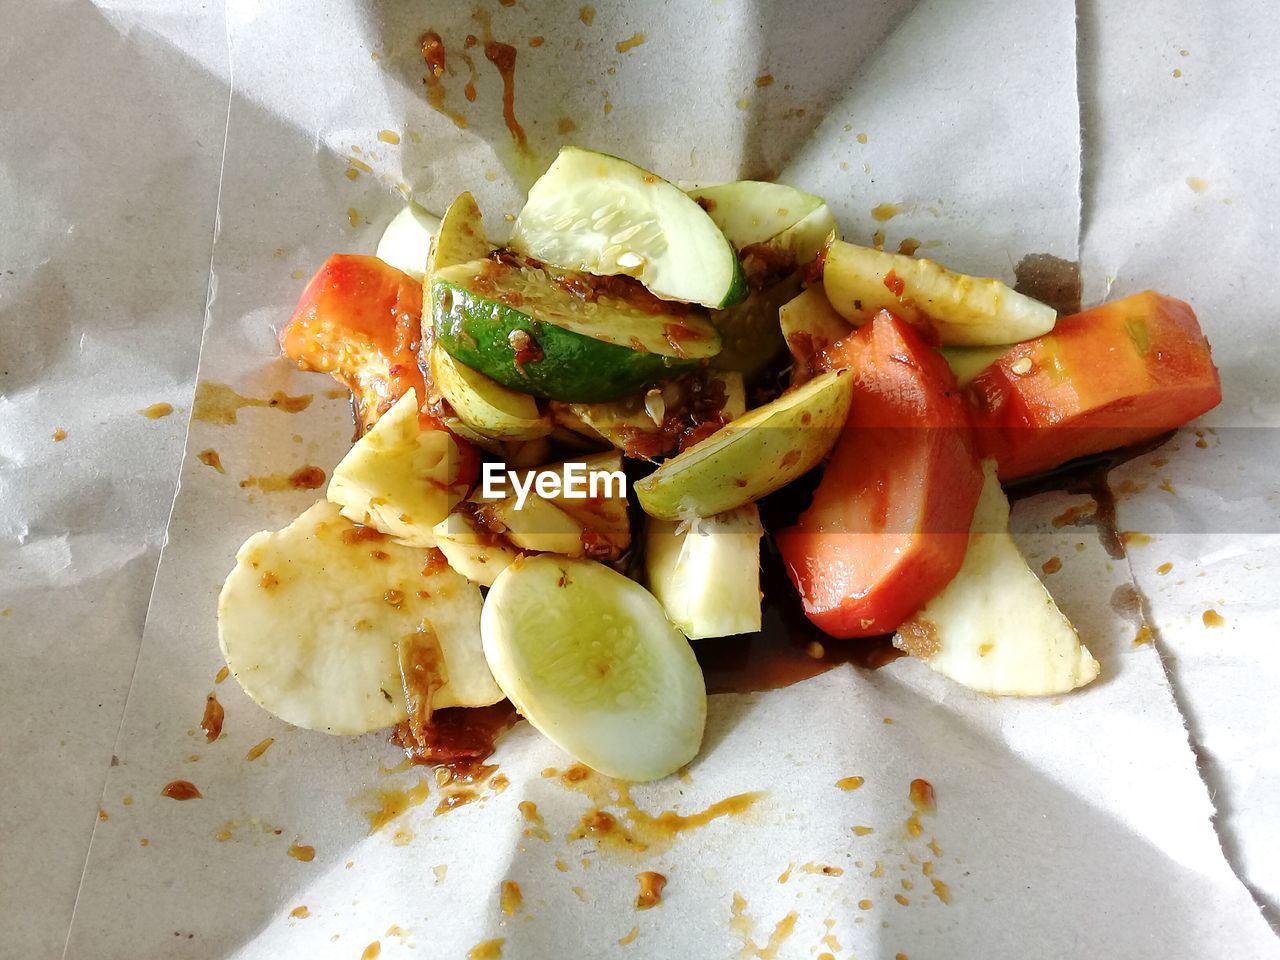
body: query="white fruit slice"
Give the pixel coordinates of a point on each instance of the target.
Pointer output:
(484, 405)
(398, 478)
(406, 242)
(311, 618)
(995, 628)
(604, 515)
(603, 215)
(472, 549)
(706, 573)
(809, 325)
(963, 311)
(588, 657)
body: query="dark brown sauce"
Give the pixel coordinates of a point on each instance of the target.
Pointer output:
(456, 736)
(1088, 476)
(1050, 280)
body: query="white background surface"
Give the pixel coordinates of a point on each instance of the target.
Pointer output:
(103, 279)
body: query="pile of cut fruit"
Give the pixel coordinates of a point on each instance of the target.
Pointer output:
(724, 340)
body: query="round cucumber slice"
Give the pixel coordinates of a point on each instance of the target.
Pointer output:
(406, 242)
(589, 658)
(753, 455)
(597, 213)
(528, 330)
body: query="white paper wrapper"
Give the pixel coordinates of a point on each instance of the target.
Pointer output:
(1062, 829)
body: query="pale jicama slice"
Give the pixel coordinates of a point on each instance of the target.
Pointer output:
(706, 572)
(399, 478)
(995, 628)
(406, 242)
(589, 658)
(311, 619)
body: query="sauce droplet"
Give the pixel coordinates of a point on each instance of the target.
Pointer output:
(181, 790)
(486, 950)
(651, 887)
(372, 950)
(259, 749)
(511, 897)
(850, 783)
(211, 723)
(633, 41)
(302, 852)
(210, 458)
(1212, 618)
(157, 410)
(300, 912)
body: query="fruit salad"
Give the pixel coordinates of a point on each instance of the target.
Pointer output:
(565, 441)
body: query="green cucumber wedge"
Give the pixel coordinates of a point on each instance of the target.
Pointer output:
(484, 405)
(590, 659)
(563, 338)
(461, 237)
(602, 215)
(752, 456)
(755, 211)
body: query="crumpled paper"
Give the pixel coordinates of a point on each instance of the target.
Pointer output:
(1061, 828)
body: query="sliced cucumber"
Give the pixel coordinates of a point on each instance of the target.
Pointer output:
(809, 325)
(634, 424)
(994, 628)
(523, 327)
(752, 456)
(484, 405)
(406, 243)
(706, 573)
(962, 311)
(749, 332)
(603, 215)
(461, 237)
(588, 657)
(806, 239)
(755, 211)
(967, 362)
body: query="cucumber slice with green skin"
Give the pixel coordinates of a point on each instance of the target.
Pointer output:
(555, 344)
(706, 573)
(754, 211)
(484, 405)
(603, 215)
(461, 237)
(749, 332)
(589, 658)
(962, 311)
(406, 243)
(809, 325)
(967, 362)
(752, 456)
